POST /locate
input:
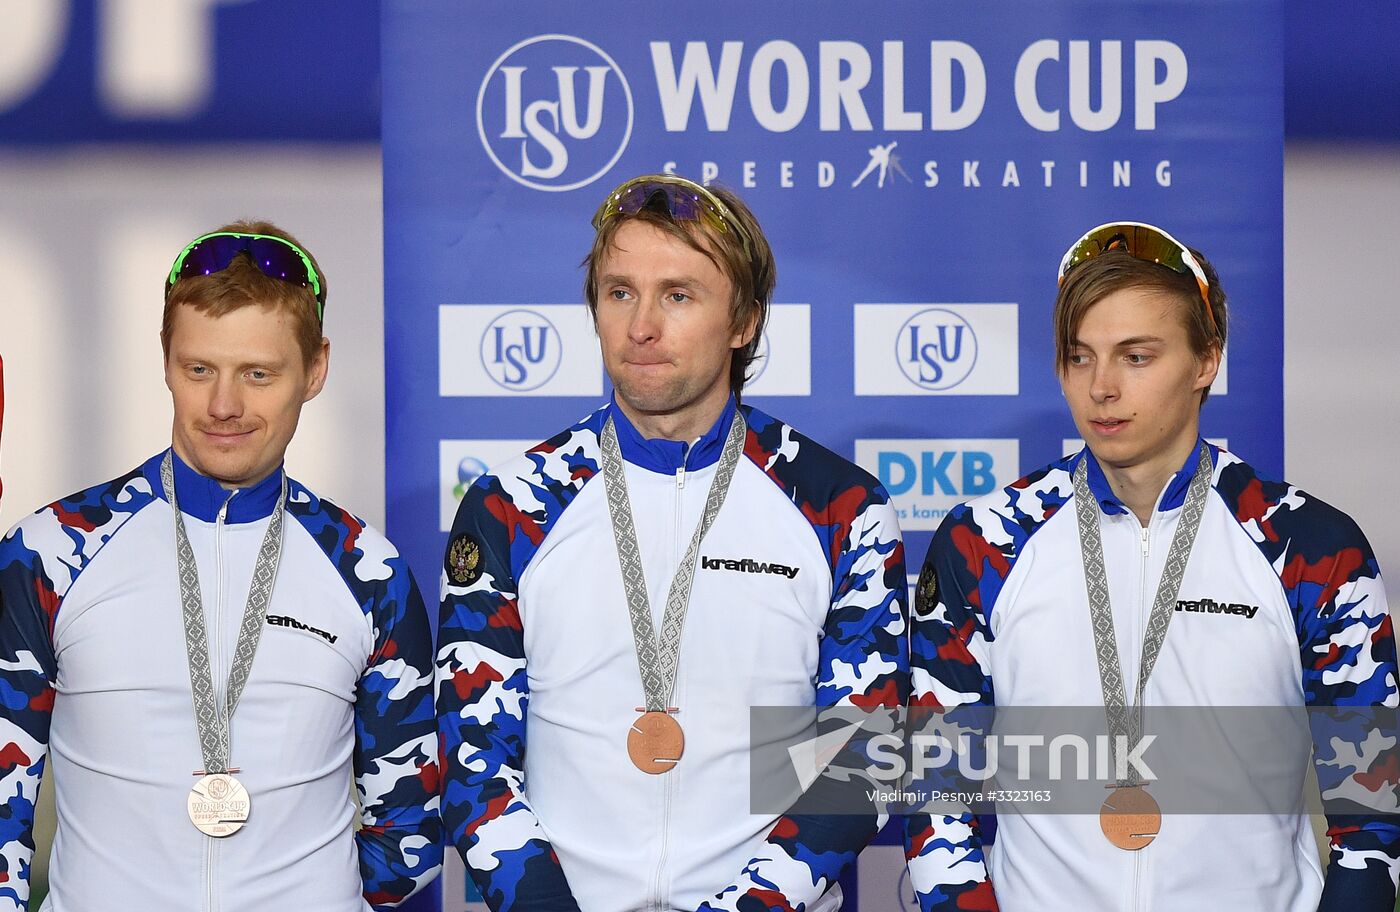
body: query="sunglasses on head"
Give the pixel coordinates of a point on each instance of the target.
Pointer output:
(1143, 242)
(685, 200)
(274, 257)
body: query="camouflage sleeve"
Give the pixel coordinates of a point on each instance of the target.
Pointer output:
(863, 662)
(1348, 660)
(951, 642)
(28, 603)
(1347, 672)
(39, 561)
(483, 697)
(396, 752)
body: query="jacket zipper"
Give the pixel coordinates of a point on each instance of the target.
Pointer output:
(659, 902)
(211, 851)
(1143, 605)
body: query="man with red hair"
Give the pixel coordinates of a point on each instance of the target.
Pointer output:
(209, 652)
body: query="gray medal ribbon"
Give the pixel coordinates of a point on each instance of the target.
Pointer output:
(658, 660)
(1126, 727)
(210, 718)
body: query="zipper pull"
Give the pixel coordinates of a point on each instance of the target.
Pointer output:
(1144, 541)
(680, 478)
(223, 510)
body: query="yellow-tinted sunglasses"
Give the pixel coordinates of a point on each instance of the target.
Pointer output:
(1145, 242)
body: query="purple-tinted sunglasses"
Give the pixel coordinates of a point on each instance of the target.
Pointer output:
(684, 199)
(275, 257)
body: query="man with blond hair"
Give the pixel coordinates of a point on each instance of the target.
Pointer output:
(1161, 577)
(208, 651)
(624, 592)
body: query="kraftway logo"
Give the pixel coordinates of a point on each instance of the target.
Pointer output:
(747, 565)
(521, 350)
(1211, 606)
(533, 122)
(282, 620)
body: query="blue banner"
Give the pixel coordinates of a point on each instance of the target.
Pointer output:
(85, 71)
(919, 171)
(1342, 73)
(81, 71)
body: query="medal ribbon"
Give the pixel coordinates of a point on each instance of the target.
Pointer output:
(211, 719)
(658, 660)
(1120, 721)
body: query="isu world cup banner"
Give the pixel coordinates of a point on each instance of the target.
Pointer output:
(919, 170)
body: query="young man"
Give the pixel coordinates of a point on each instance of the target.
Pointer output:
(208, 650)
(1151, 569)
(771, 567)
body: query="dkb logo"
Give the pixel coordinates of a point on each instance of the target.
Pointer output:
(521, 350)
(927, 478)
(934, 473)
(554, 112)
(936, 349)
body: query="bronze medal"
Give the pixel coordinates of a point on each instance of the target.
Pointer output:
(1130, 818)
(218, 805)
(655, 742)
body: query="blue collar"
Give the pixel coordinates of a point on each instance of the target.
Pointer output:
(1171, 498)
(202, 497)
(668, 456)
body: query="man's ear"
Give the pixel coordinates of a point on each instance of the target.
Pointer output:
(1207, 367)
(744, 335)
(320, 367)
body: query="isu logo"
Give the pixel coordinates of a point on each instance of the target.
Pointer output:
(521, 350)
(936, 349)
(554, 112)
